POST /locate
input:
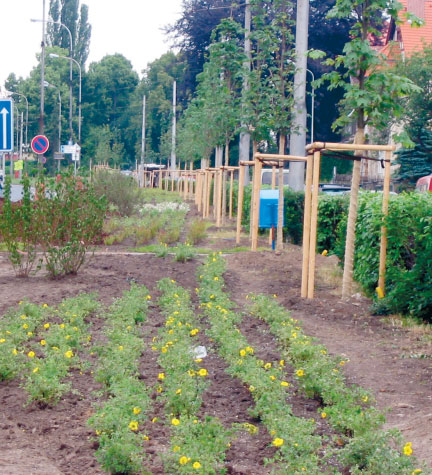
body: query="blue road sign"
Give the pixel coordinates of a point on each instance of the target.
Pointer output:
(6, 125)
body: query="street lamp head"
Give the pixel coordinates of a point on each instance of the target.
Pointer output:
(54, 55)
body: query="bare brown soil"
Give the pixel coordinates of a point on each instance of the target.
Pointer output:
(383, 357)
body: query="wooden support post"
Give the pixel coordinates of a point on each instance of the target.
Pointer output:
(256, 203)
(172, 181)
(240, 196)
(273, 186)
(306, 225)
(215, 188)
(385, 207)
(204, 194)
(209, 185)
(314, 224)
(160, 179)
(219, 200)
(231, 194)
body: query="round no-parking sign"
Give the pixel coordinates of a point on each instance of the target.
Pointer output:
(40, 144)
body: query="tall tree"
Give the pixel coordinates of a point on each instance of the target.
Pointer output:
(75, 18)
(370, 96)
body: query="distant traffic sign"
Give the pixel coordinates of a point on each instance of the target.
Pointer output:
(6, 125)
(39, 144)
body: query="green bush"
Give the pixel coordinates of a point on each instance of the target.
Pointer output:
(120, 191)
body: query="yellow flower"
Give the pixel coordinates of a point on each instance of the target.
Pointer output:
(251, 388)
(278, 442)
(267, 365)
(69, 354)
(136, 410)
(300, 372)
(89, 338)
(159, 389)
(183, 460)
(161, 376)
(62, 325)
(285, 384)
(250, 350)
(15, 351)
(175, 421)
(164, 349)
(176, 448)
(55, 348)
(45, 305)
(242, 353)
(31, 354)
(417, 470)
(282, 363)
(178, 391)
(191, 372)
(216, 278)
(194, 331)
(203, 372)
(133, 425)
(35, 370)
(23, 317)
(323, 415)
(196, 465)
(155, 419)
(342, 363)
(25, 326)
(148, 297)
(2, 340)
(273, 378)
(43, 342)
(365, 399)
(146, 437)
(324, 352)
(407, 450)
(30, 333)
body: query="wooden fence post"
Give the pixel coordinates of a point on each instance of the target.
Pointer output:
(240, 196)
(385, 208)
(306, 225)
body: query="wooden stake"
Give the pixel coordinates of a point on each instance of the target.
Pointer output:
(219, 199)
(256, 203)
(231, 195)
(314, 224)
(306, 225)
(385, 208)
(240, 196)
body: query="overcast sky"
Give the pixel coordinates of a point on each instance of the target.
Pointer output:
(129, 27)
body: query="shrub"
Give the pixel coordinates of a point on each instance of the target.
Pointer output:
(197, 231)
(120, 191)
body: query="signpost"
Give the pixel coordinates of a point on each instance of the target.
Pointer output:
(6, 125)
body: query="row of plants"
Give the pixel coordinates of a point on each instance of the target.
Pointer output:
(294, 437)
(118, 421)
(54, 224)
(363, 445)
(360, 443)
(198, 444)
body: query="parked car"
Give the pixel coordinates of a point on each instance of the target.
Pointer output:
(424, 183)
(333, 189)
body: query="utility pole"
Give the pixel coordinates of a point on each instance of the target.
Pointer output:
(143, 132)
(298, 137)
(173, 135)
(42, 86)
(244, 145)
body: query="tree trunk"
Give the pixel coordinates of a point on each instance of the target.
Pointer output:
(347, 281)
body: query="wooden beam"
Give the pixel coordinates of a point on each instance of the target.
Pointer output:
(256, 203)
(306, 226)
(349, 146)
(314, 224)
(385, 208)
(240, 197)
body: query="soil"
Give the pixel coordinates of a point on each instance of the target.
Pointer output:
(392, 361)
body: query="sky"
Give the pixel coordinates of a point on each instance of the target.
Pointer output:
(129, 27)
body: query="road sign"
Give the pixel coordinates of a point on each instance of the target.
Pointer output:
(58, 156)
(6, 125)
(40, 144)
(42, 159)
(67, 149)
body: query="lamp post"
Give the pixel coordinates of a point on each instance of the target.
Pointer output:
(70, 67)
(27, 111)
(47, 84)
(54, 55)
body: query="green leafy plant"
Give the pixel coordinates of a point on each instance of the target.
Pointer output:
(196, 232)
(184, 252)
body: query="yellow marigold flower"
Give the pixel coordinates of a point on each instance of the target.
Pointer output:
(23, 317)
(282, 363)
(129, 327)
(216, 278)
(407, 450)
(267, 365)
(25, 326)
(417, 470)
(146, 437)
(195, 421)
(8, 332)
(198, 360)
(164, 349)
(242, 353)
(154, 348)
(183, 460)
(69, 354)
(15, 351)
(98, 432)
(196, 465)
(173, 281)
(285, 384)
(273, 378)
(324, 352)
(365, 399)
(89, 338)
(300, 372)
(278, 442)
(159, 389)
(136, 410)
(45, 305)
(194, 331)
(203, 372)
(323, 415)
(56, 348)
(35, 370)
(176, 448)
(43, 342)
(251, 388)
(2, 340)
(133, 425)
(155, 419)
(148, 297)
(191, 372)
(212, 296)
(178, 391)
(67, 337)
(175, 421)
(31, 354)
(161, 376)
(250, 350)
(342, 363)
(62, 325)
(75, 329)
(29, 333)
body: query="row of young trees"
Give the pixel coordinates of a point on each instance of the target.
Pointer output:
(209, 71)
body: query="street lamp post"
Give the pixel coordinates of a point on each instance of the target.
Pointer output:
(47, 84)
(27, 111)
(53, 55)
(70, 67)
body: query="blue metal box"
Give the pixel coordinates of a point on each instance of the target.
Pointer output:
(268, 214)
